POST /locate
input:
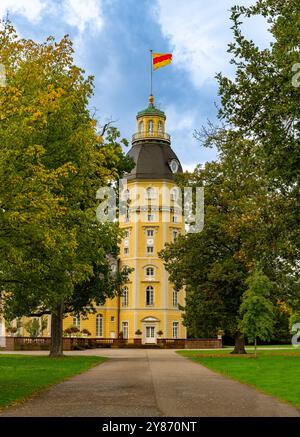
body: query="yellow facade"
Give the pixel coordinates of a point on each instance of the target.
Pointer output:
(153, 218)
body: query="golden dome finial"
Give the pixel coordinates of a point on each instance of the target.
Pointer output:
(151, 99)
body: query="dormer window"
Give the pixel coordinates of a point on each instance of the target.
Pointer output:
(150, 126)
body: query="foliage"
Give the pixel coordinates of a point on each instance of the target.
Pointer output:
(33, 327)
(52, 162)
(256, 310)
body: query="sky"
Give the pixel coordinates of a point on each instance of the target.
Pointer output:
(112, 39)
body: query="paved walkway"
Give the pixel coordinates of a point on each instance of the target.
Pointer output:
(150, 383)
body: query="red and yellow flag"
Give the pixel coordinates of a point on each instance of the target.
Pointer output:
(161, 59)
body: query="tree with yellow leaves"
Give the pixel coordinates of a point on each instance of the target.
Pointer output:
(53, 252)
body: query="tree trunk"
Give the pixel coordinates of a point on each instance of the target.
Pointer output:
(239, 346)
(56, 348)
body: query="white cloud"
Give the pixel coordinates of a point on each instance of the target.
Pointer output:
(31, 9)
(179, 120)
(189, 167)
(80, 14)
(76, 13)
(199, 32)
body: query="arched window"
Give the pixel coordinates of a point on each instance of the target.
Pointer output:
(125, 297)
(99, 325)
(174, 194)
(141, 127)
(159, 127)
(149, 295)
(126, 195)
(150, 193)
(150, 126)
(150, 272)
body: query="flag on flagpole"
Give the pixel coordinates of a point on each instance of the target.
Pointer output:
(161, 60)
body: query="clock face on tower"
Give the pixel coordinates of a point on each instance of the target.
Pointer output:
(174, 165)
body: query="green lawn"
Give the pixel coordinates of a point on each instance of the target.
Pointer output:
(276, 372)
(23, 375)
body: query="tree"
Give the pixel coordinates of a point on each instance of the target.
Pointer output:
(256, 310)
(214, 264)
(55, 257)
(33, 327)
(262, 103)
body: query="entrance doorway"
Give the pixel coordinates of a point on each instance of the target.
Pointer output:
(150, 334)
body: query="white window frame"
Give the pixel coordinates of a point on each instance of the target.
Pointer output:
(125, 324)
(76, 321)
(125, 297)
(149, 250)
(175, 329)
(150, 275)
(99, 325)
(175, 298)
(126, 195)
(126, 250)
(150, 232)
(150, 127)
(150, 290)
(174, 194)
(150, 193)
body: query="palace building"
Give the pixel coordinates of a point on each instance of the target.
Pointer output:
(148, 308)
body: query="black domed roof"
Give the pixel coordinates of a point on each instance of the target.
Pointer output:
(152, 158)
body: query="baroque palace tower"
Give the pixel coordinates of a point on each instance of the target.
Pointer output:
(152, 217)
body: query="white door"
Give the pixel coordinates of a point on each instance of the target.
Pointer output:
(150, 334)
(125, 330)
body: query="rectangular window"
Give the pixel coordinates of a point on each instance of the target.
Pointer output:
(125, 297)
(151, 218)
(112, 319)
(126, 234)
(150, 249)
(149, 272)
(99, 325)
(175, 329)
(175, 219)
(76, 321)
(125, 330)
(175, 298)
(126, 250)
(150, 232)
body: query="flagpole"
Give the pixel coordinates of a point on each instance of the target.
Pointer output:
(151, 72)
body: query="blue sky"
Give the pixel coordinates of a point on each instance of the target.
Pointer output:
(112, 39)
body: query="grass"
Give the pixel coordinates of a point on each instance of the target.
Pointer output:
(274, 372)
(21, 376)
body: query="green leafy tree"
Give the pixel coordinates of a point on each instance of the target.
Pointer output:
(33, 327)
(55, 257)
(256, 310)
(262, 103)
